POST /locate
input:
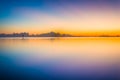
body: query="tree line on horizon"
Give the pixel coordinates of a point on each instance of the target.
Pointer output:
(50, 34)
(25, 34)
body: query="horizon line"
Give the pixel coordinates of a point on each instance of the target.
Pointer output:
(52, 34)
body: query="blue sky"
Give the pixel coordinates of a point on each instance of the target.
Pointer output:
(7, 6)
(21, 14)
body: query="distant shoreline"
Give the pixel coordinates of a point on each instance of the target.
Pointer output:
(52, 34)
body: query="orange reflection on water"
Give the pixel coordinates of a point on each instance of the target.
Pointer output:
(74, 49)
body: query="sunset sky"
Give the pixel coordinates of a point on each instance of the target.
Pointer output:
(91, 17)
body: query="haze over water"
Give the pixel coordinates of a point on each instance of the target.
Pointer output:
(86, 58)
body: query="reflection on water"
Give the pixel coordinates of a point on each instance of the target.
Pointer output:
(60, 58)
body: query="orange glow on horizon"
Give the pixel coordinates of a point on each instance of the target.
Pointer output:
(71, 32)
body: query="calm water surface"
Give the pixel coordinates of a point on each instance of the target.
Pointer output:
(60, 58)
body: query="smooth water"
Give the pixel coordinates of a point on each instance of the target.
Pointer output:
(85, 58)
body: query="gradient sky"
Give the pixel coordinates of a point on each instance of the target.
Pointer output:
(65, 16)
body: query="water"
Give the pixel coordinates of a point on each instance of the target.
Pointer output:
(85, 58)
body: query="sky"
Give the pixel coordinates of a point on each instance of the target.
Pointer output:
(86, 17)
